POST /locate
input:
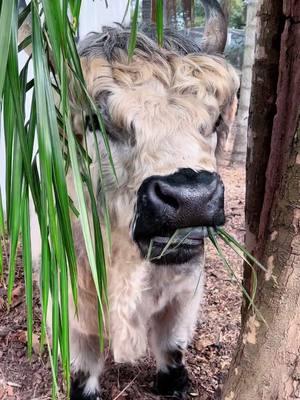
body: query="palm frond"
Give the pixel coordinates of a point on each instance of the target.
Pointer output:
(250, 298)
(160, 21)
(134, 29)
(41, 173)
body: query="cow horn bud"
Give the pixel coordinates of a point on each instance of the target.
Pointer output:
(215, 29)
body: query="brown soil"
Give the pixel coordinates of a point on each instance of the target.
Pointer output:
(208, 356)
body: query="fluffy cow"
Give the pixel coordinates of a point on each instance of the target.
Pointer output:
(165, 113)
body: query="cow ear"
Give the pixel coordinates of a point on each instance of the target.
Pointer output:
(225, 123)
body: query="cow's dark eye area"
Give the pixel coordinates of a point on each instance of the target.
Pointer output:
(114, 132)
(92, 122)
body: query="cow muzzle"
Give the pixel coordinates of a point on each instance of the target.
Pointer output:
(170, 206)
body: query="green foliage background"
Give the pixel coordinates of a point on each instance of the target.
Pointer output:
(237, 14)
(237, 17)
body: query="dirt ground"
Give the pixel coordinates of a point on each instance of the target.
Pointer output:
(208, 356)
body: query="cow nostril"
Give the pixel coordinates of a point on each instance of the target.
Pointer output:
(165, 198)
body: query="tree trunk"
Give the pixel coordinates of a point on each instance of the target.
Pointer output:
(150, 12)
(266, 365)
(226, 6)
(170, 13)
(188, 13)
(238, 140)
(146, 11)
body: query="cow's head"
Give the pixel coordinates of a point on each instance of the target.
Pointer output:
(165, 113)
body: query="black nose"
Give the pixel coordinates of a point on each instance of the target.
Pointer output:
(183, 199)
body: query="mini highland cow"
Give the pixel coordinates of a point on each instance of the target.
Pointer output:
(166, 113)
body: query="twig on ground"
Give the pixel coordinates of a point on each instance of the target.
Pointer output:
(13, 384)
(127, 386)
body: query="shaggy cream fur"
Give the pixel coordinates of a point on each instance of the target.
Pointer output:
(163, 106)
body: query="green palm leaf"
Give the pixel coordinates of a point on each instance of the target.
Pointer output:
(160, 21)
(42, 174)
(134, 29)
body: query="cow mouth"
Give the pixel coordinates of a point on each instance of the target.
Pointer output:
(177, 248)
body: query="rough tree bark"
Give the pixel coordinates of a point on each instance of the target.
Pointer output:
(266, 365)
(238, 141)
(147, 11)
(226, 6)
(188, 13)
(170, 9)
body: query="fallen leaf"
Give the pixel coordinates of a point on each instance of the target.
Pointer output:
(36, 343)
(17, 292)
(17, 296)
(201, 344)
(22, 337)
(2, 303)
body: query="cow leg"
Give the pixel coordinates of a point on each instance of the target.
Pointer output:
(87, 365)
(171, 331)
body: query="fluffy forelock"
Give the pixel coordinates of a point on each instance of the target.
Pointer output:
(178, 68)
